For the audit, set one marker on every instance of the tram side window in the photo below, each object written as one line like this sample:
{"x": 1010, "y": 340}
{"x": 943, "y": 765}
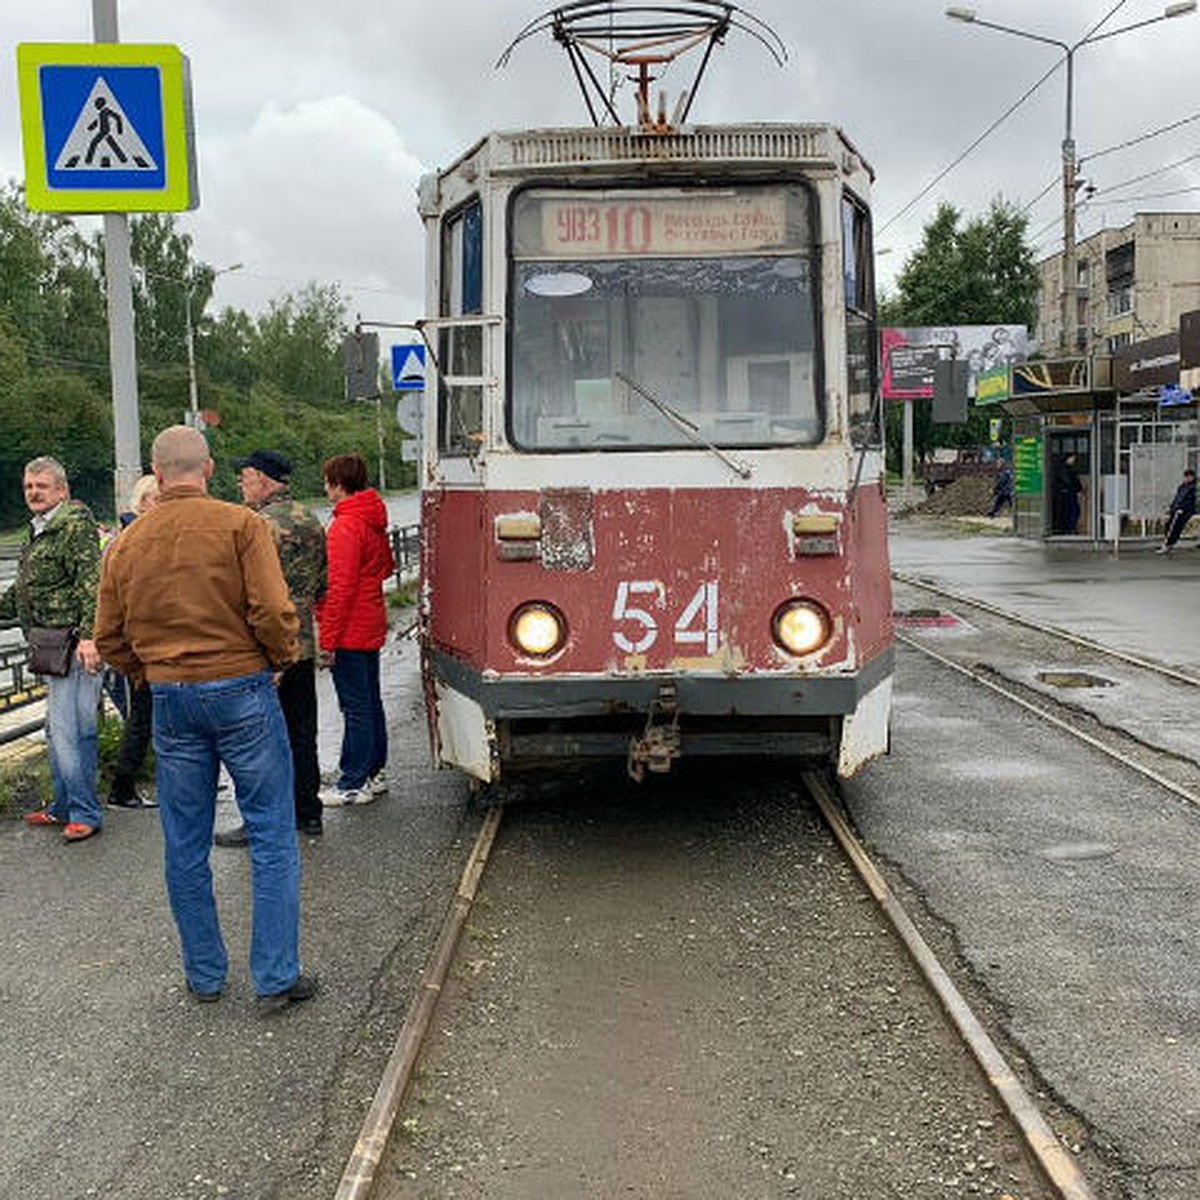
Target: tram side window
{"x": 460, "y": 349}
{"x": 859, "y": 295}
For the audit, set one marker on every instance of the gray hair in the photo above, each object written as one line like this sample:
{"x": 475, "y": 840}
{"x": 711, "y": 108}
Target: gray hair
{"x": 45, "y": 465}
{"x": 179, "y": 450}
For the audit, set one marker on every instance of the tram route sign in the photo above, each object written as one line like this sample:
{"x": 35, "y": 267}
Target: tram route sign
{"x": 106, "y": 128}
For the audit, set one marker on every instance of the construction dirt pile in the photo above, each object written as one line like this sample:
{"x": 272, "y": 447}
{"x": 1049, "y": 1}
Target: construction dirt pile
{"x": 970, "y": 496}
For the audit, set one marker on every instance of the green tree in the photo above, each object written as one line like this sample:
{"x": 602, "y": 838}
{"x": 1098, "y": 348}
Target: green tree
{"x": 298, "y": 344}
{"x": 979, "y": 273}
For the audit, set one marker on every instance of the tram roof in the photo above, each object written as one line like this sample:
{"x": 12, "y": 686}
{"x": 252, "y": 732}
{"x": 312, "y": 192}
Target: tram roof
{"x": 586, "y": 148}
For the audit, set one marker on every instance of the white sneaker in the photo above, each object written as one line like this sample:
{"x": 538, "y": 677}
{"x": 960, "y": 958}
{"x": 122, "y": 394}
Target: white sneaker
{"x": 336, "y": 797}
{"x": 377, "y": 785}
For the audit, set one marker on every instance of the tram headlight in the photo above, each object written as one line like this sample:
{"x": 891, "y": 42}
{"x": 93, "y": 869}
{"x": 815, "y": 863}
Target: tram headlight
{"x": 537, "y": 629}
{"x": 801, "y": 627}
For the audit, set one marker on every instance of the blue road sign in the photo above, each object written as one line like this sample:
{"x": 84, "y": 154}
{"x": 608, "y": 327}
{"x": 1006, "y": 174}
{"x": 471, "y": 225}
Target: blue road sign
{"x": 103, "y": 127}
{"x": 106, "y": 128}
{"x": 408, "y": 368}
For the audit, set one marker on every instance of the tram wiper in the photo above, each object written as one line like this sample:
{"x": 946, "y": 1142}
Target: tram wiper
{"x": 688, "y": 429}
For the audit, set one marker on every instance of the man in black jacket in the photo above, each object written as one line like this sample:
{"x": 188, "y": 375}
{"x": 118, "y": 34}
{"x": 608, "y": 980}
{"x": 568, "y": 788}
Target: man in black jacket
{"x": 1183, "y": 508}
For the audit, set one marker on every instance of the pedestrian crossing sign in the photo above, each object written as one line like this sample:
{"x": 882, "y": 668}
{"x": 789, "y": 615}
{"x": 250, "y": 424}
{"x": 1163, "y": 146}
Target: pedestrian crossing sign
{"x": 107, "y": 128}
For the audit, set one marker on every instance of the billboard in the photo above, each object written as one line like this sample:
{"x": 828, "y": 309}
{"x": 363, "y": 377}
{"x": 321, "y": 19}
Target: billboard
{"x": 908, "y": 355}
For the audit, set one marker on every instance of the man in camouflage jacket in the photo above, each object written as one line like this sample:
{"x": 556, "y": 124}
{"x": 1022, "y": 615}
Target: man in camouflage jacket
{"x": 56, "y": 586}
{"x": 299, "y": 537}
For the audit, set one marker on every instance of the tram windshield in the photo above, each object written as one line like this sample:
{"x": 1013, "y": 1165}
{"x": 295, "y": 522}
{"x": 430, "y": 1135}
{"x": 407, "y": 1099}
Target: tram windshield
{"x": 703, "y": 299}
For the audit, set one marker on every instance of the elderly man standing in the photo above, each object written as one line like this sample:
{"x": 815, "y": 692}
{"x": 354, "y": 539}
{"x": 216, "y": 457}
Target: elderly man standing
{"x": 56, "y": 589}
{"x": 299, "y": 537}
{"x": 192, "y": 599}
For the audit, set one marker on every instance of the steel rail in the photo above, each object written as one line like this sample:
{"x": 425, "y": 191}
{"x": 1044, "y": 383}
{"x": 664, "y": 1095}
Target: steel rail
{"x": 358, "y": 1178}
{"x": 1076, "y": 639}
{"x": 1046, "y": 715}
{"x": 1059, "y": 1167}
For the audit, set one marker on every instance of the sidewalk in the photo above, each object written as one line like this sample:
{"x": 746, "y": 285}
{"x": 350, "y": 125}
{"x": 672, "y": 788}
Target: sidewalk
{"x": 117, "y": 1085}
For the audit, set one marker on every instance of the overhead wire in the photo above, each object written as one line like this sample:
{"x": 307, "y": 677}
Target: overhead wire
{"x": 998, "y": 122}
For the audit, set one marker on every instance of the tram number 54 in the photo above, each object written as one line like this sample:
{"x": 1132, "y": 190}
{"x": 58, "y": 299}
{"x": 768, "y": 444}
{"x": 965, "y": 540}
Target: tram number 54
{"x": 697, "y": 621}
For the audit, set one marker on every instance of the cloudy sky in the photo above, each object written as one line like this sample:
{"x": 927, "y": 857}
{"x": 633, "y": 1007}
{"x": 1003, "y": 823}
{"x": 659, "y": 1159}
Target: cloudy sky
{"x": 314, "y": 120}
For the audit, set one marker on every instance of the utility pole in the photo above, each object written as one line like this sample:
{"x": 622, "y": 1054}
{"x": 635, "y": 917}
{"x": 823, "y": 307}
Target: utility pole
{"x": 1070, "y": 282}
{"x": 122, "y": 354}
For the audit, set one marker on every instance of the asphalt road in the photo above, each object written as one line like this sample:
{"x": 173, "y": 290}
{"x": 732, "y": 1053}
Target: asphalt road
{"x": 113, "y": 1083}
{"x": 1070, "y": 889}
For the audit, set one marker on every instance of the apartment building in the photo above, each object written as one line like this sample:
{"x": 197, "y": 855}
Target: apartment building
{"x": 1132, "y": 283}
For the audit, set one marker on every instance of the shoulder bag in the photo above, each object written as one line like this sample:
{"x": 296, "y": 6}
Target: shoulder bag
{"x": 51, "y": 650}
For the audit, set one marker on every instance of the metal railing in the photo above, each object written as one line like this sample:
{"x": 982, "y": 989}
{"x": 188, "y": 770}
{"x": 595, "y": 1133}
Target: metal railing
{"x": 406, "y": 549}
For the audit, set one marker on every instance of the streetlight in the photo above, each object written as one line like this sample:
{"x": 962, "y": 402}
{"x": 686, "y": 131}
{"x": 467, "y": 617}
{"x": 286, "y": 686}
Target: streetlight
{"x": 193, "y": 392}
{"x": 967, "y": 15}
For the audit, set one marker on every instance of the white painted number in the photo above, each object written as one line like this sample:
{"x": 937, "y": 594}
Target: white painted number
{"x": 696, "y": 624}
{"x": 706, "y": 599}
{"x": 623, "y": 612}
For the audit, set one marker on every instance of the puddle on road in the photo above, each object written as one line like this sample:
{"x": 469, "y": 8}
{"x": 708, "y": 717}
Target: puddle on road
{"x": 930, "y": 618}
{"x": 1074, "y": 679}
{"x": 1001, "y": 769}
{"x": 1078, "y": 851}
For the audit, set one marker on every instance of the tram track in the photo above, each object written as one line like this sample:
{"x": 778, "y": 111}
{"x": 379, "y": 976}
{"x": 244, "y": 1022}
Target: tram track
{"x": 1005, "y": 661}
{"x": 1055, "y": 1163}
{"x": 1054, "y": 631}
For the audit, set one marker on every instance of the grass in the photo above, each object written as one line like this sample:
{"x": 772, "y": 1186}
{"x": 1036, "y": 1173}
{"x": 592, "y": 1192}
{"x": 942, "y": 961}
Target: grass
{"x": 404, "y": 596}
{"x": 25, "y": 777}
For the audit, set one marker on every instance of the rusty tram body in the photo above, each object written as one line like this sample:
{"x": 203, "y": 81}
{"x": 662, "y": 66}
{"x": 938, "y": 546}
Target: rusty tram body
{"x": 653, "y": 521}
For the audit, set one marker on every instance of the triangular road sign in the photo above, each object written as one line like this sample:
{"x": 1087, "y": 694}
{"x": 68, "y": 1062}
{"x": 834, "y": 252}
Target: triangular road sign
{"x": 103, "y": 138}
{"x": 408, "y": 367}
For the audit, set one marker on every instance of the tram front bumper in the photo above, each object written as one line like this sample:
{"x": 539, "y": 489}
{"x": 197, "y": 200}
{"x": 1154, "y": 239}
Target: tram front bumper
{"x": 488, "y": 723}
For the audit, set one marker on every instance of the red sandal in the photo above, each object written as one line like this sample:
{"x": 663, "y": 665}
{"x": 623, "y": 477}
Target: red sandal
{"x": 43, "y": 816}
{"x": 76, "y": 831}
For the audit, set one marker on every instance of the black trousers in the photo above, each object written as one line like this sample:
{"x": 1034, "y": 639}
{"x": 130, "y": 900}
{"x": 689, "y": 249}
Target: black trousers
{"x": 298, "y": 699}
{"x": 135, "y": 740}
{"x": 1175, "y": 525}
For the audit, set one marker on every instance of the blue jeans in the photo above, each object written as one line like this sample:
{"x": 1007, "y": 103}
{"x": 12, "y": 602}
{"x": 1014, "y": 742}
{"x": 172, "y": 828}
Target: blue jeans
{"x": 71, "y": 705}
{"x": 196, "y": 727}
{"x": 364, "y": 727}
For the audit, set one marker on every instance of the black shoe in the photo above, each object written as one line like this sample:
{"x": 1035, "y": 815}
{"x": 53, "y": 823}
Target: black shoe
{"x": 311, "y": 828}
{"x": 134, "y": 801}
{"x": 204, "y": 997}
{"x": 305, "y": 988}
{"x": 232, "y": 837}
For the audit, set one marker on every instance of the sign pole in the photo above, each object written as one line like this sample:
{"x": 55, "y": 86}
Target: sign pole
{"x": 907, "y": 451}
{"x": 118, "y": 260}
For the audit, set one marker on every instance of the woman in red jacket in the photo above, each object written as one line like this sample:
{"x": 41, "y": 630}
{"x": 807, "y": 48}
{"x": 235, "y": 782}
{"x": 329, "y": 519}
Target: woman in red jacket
{"x": 352, "y": 622}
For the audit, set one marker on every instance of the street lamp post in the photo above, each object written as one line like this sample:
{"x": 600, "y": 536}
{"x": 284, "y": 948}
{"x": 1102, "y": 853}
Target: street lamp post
{"x": 1069, "y": 184}
{"x": 193, "y": 390}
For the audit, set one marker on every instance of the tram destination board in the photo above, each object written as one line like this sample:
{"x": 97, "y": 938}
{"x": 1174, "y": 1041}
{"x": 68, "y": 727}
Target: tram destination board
{"x": 658, "y": 225}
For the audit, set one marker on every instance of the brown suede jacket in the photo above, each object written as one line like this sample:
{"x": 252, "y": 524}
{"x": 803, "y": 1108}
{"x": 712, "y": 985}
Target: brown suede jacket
{"x": 192, "y": 591}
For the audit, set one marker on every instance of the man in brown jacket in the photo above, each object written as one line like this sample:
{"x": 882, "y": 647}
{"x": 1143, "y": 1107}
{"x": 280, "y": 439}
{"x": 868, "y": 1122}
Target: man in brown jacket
{"x": 193, "y": 601}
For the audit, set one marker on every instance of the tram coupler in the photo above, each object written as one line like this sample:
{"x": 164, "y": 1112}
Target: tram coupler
{"x": 659, "y": 744}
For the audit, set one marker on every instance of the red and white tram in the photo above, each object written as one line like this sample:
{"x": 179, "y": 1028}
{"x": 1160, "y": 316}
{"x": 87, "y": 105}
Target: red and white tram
{"x": 653, "y": 521}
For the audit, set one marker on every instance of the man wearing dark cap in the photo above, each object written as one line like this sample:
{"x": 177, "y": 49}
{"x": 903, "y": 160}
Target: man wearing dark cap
{"x": 264, "y": 477}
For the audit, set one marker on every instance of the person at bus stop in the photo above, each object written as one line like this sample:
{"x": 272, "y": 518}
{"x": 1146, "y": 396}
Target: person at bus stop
{"x": 193, "y": 600}
{"x": 55, "y": 594}
{"x": 1002, "y": 489}
{"x": 352, "y": 627}
{"x": 1067, "y": 487}
{"x": 1180, "y": 512}
{"x": 139, "y": 720}
{"x": 264, "y": 477}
